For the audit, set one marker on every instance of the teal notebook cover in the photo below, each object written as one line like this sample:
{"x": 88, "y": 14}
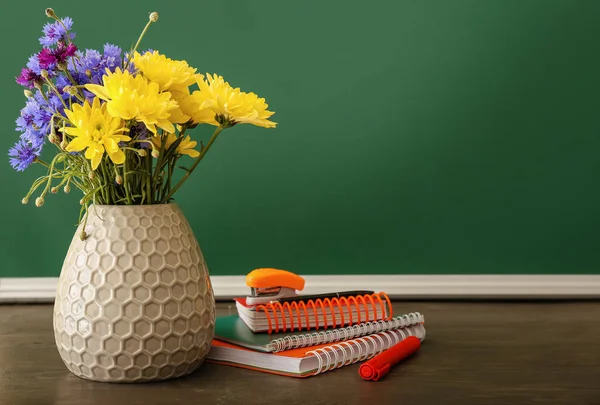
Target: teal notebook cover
{"x": 233, "y": 330}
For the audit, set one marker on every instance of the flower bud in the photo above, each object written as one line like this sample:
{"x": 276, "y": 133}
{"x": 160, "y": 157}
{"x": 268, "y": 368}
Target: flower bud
{"x": 67, "y": 88}
{"x": 88, "y": 73}
{"x": 50, "y": 13}
{"x": 53, "y": 138}
{"x": 155, "y": 153}
{"x": 67, "y": 189}
{"x": 142, "y": 152}
{"x": 84, "y": 235}
{"x": 92, "y": 175}
{"x": 44, "y": 73}
{"x": 25, "y": 200}
{"x": 39, "y": 201}
{"x": 119, "y": 179}
{"x": 154, "y": 16}
{"x": 72, "y": 91}
{"x": 54, "y": 190}
{"x": 28, "y": 93}
{"x": 64, "y": 143}
{"x": 62, "y": 66}
{"x": 81, "y": 201}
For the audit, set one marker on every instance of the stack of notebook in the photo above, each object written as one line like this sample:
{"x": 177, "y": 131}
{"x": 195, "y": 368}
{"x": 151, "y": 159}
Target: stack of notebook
{"x": 306, "y": 338}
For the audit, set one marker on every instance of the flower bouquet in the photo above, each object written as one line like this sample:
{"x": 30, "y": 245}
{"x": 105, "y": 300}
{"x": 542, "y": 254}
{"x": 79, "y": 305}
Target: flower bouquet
{"x": 134, "y": 300}
{"x": 119, "y": 121}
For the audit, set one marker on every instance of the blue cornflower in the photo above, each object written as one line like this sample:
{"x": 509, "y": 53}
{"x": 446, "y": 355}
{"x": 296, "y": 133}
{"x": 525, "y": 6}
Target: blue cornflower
{"x": 34, "y": 64}
{"x": 22, "y": 155}
{"x": 42, "y": 120}
{"x": 42, "y": 116}
{"x": 54, "y": 32}
{"x": 91, "y": 60}
{"x": 111, "y": 58}
{"x": 61, "y": 81}
{"x": 25, "y": 120}
{"x": 140, "y": 132}
{"x": 26, "y": 123}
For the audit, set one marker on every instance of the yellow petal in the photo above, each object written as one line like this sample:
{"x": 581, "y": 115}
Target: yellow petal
{"x": 190, "y": 152}
{"x": 99, "y": 91}
{"x": 165, "y": 125}
{"x": 151, "y": 127}
{"x": 177, "y": 116}
{"x": 96, "y": 161}
{"x": 117, "y": 157}
{"x": 78, "y": 144}
{"x": 72, "y": 131}
{"x": 90, "y": 153}
{"x": 124, "y": 113}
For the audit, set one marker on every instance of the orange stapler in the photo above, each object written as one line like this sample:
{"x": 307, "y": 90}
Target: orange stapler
{"x": 267, "y": 284}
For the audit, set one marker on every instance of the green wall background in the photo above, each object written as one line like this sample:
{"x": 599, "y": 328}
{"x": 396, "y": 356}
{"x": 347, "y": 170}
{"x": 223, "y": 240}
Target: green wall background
{"x": 414, "y": 137}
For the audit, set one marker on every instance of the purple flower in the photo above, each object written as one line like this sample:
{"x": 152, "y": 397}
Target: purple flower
{"x": 22, "y": 155}
{"x": 65, "y": 52}
{"x": 46, "y": 59}
{"x": 29, "y": 78}
{"x": 54, "y": 32}
{"x": 50, "y": 58}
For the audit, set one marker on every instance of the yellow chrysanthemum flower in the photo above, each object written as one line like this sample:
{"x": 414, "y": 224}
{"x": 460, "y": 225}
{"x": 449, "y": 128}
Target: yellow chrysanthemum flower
{"x": 216, "y": 99}
{"x": 169, "y": 74}
{"x": 133, "y": 97}
{"x": 185, "y": 147}
{"x": 190, "y": 107}
{"x": 96, "y": 131}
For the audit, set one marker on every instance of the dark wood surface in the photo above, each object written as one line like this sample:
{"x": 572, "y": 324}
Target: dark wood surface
{"x": 475, "y": 353}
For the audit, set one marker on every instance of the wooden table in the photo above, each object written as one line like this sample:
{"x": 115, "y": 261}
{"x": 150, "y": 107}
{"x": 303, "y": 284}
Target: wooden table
{"x": 475, "y": 353}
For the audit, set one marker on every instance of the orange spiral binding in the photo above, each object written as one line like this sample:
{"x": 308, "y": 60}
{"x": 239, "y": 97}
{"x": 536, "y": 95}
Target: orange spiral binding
{"x": 298, "y": 313}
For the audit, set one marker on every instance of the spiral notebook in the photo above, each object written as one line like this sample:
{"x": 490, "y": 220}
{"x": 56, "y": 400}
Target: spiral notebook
{"x": 318, "y": 314}
{"x": 310, "y": 361}
{"x": 232, "y": 329}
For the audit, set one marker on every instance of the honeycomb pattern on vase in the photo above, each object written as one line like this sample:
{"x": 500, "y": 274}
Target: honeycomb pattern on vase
{"x": 134, "y": 301}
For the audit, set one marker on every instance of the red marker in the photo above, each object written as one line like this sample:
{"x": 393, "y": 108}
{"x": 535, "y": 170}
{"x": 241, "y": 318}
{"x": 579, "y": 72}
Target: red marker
{"x": 381, "y": 364}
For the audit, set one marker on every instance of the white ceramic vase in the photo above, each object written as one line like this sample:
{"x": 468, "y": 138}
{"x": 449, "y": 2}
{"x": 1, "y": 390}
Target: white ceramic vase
{"x": 134, "y": 301}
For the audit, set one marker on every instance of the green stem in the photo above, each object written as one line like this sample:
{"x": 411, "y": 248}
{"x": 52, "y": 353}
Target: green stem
{"x": 51, "y": 85}
{"x": 44, "y": 96}
{"x": 137, "y": 44}
{"x": 79, "y": 96}
{"x": 161, "y": 157}
{"x": 125, "y": 182}
{"x": 68, "y": 34}
{"x": 191, "y": 169}
{"x": 149, "y": 178}
{"x": 50, "y": 175}
{"x": 40, "y": 161}
{"x": 170, "y": 168}
{"x": 106, "y": 178}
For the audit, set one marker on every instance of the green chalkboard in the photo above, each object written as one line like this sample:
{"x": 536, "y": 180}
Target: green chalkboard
{"x": 414, "y": 137}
